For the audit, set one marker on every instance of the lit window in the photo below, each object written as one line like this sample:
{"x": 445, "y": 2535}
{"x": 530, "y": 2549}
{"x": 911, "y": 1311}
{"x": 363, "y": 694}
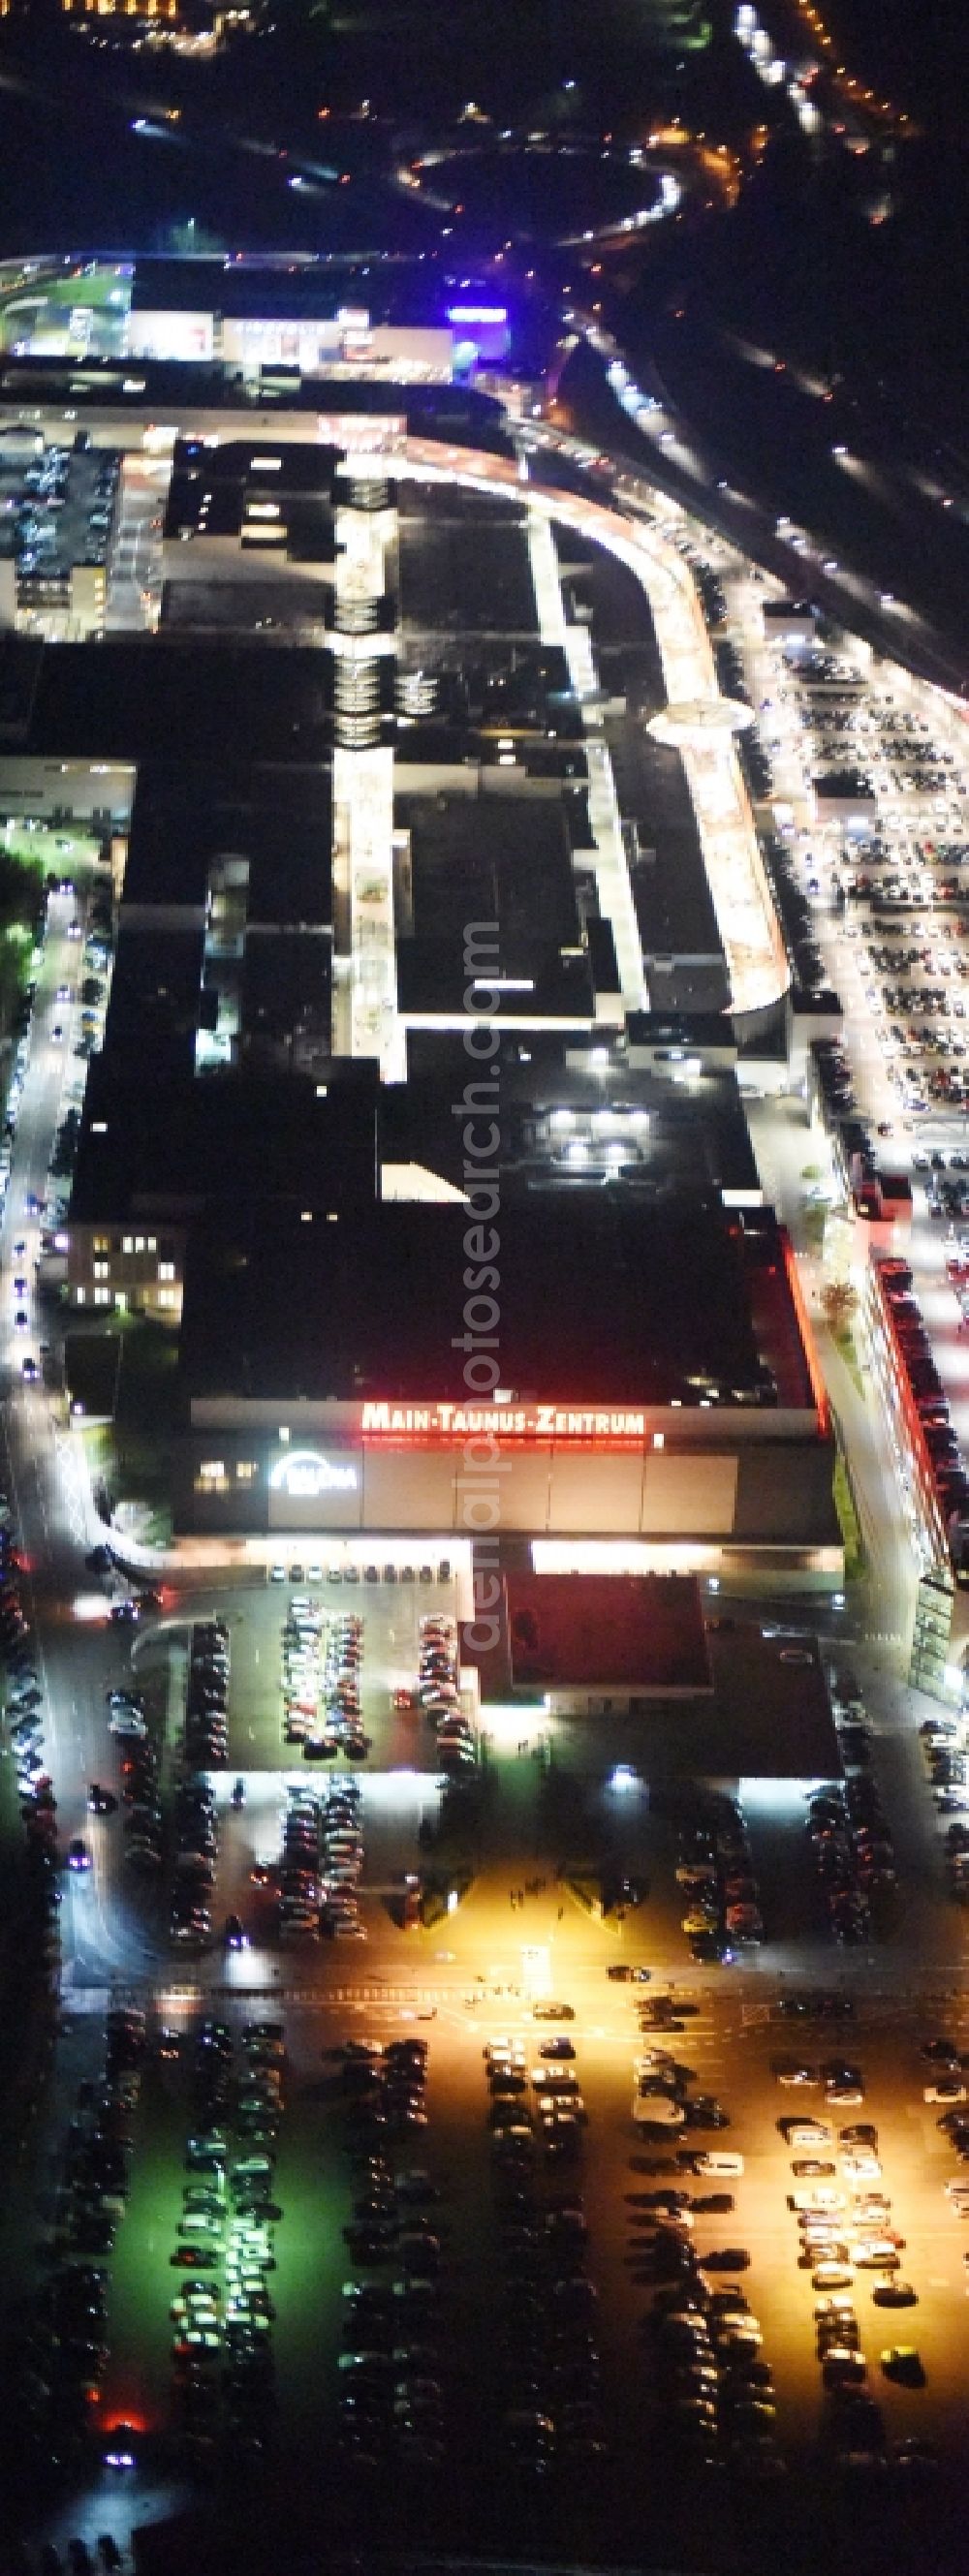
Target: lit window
{"x": 82, "y": 1296}
{"x": 139, "y": 1243}
{"x": 168, "y": 1297}
{"x": 102, "y": 1243}
{"x": 102, "y": 1296}
{"x": 102, "y": 1269}
{"x": 166, "y": 1270}
{"x": 151, "y": 1243}
{"x": 128, "y": 1243}
{"x": 246, "y": 1469}
{"x": 211, "y": 1478}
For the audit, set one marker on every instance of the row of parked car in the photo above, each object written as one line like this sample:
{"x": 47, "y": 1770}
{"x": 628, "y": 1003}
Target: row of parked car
{"x": 25, "y": 1722}
{"x": 438, "y": 1692}
{"x": 195, "y": 1828}
{"x": 712, "y": 2387}
{"x": 552, "y": 2366}
{"x": 392, "y": 2393}
{"x": 222, "y": 2311}
{"x": 301, "y": 1668}
{"x": 342, "y": 1674}
{"x": 321, "y": 1660}
{"x": 556, "y": 2114}
{"x": 207, "y": 1696}
{"x": 316, "y": 1880}
{"x": 62, "y": 2380}
{"x": 906, "y": 1327}
{"x": 845, "y": 2225}
{"x": 716, "y": 1877}
{"x": 18, "y": 1076}
{"x": 947, "y": 1763}
{"x": 849, "y": 1851}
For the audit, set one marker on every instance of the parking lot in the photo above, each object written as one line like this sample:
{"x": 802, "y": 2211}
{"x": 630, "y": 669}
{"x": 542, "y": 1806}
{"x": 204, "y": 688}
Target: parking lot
{"x": 882, "y": 908}
{"x": 61, "y": 506}
{"x": 482, "y": 2249}
{"x": 478, "y": 2378}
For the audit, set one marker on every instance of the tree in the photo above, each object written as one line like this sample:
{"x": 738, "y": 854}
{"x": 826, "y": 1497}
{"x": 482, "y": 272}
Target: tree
{"x": 839, "y": 1304}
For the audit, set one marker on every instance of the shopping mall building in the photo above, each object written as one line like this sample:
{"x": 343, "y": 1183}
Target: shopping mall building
{"x": 666, "y": 1416}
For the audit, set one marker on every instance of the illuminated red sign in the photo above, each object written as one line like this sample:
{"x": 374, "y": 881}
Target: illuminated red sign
{"x": 390, "y": 1421}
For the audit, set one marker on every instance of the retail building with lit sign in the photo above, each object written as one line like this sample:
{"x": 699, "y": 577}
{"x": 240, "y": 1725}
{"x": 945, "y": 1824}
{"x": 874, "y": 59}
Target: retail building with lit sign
{"x": 668, "y": 1415}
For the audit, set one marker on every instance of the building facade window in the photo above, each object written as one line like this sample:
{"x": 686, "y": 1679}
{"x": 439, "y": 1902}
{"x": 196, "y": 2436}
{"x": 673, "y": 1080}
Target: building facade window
{"x": 102, "y": 1269}
{"x": 246, "y": 1470}
{"x": 128, "y": 1243}
{"x": 102, "y": 1296}
{"x": 166, "y": 1270}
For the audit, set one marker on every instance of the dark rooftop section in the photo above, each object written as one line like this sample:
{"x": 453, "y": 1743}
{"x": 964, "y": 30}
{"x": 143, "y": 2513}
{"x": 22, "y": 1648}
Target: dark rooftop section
{"x": 306, "y": 1310}
{"x": 275, "y": 819}
{"x": 227, "y": 891}
{"x": 153, "y": 1012}
{"x": 770, "y": 1717}
{"x": 274, "y": 610}
{"x": 493, "y": 858}
{"x": 168, "y": 387}
{"x": 773, "y": 1713}
{"x": 642, "y": 1633}
{"x": 674, "y": 910}
{"x": 158, "y": 1144}
{"x": 229, "y": 490}
{"x": 464, "y": 569}
{"x": 21, "y": 662}
{"x": 431, "y": 979}
{"x": 286, "y": 997}
{"x": 91, "y": 1363}
{"x": 567, "y": 1127}
{"x": 498, "y": 687}
{"x": 501, "y": 859}
{"x": 290, "y": 845}
{"x": 259, "y": 465}
{"x": 136, "y": 695}
{"x": 246, "y": 290}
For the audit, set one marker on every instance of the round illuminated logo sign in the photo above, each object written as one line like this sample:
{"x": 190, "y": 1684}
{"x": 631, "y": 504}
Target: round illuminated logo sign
{"x": 306, "y": 1474}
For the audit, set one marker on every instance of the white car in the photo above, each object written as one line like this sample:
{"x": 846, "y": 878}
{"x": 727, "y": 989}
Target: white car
{"x": 657, "y": 2111}
{"x": 861, "y": 2168}
{"x": 947, "y": 2091}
